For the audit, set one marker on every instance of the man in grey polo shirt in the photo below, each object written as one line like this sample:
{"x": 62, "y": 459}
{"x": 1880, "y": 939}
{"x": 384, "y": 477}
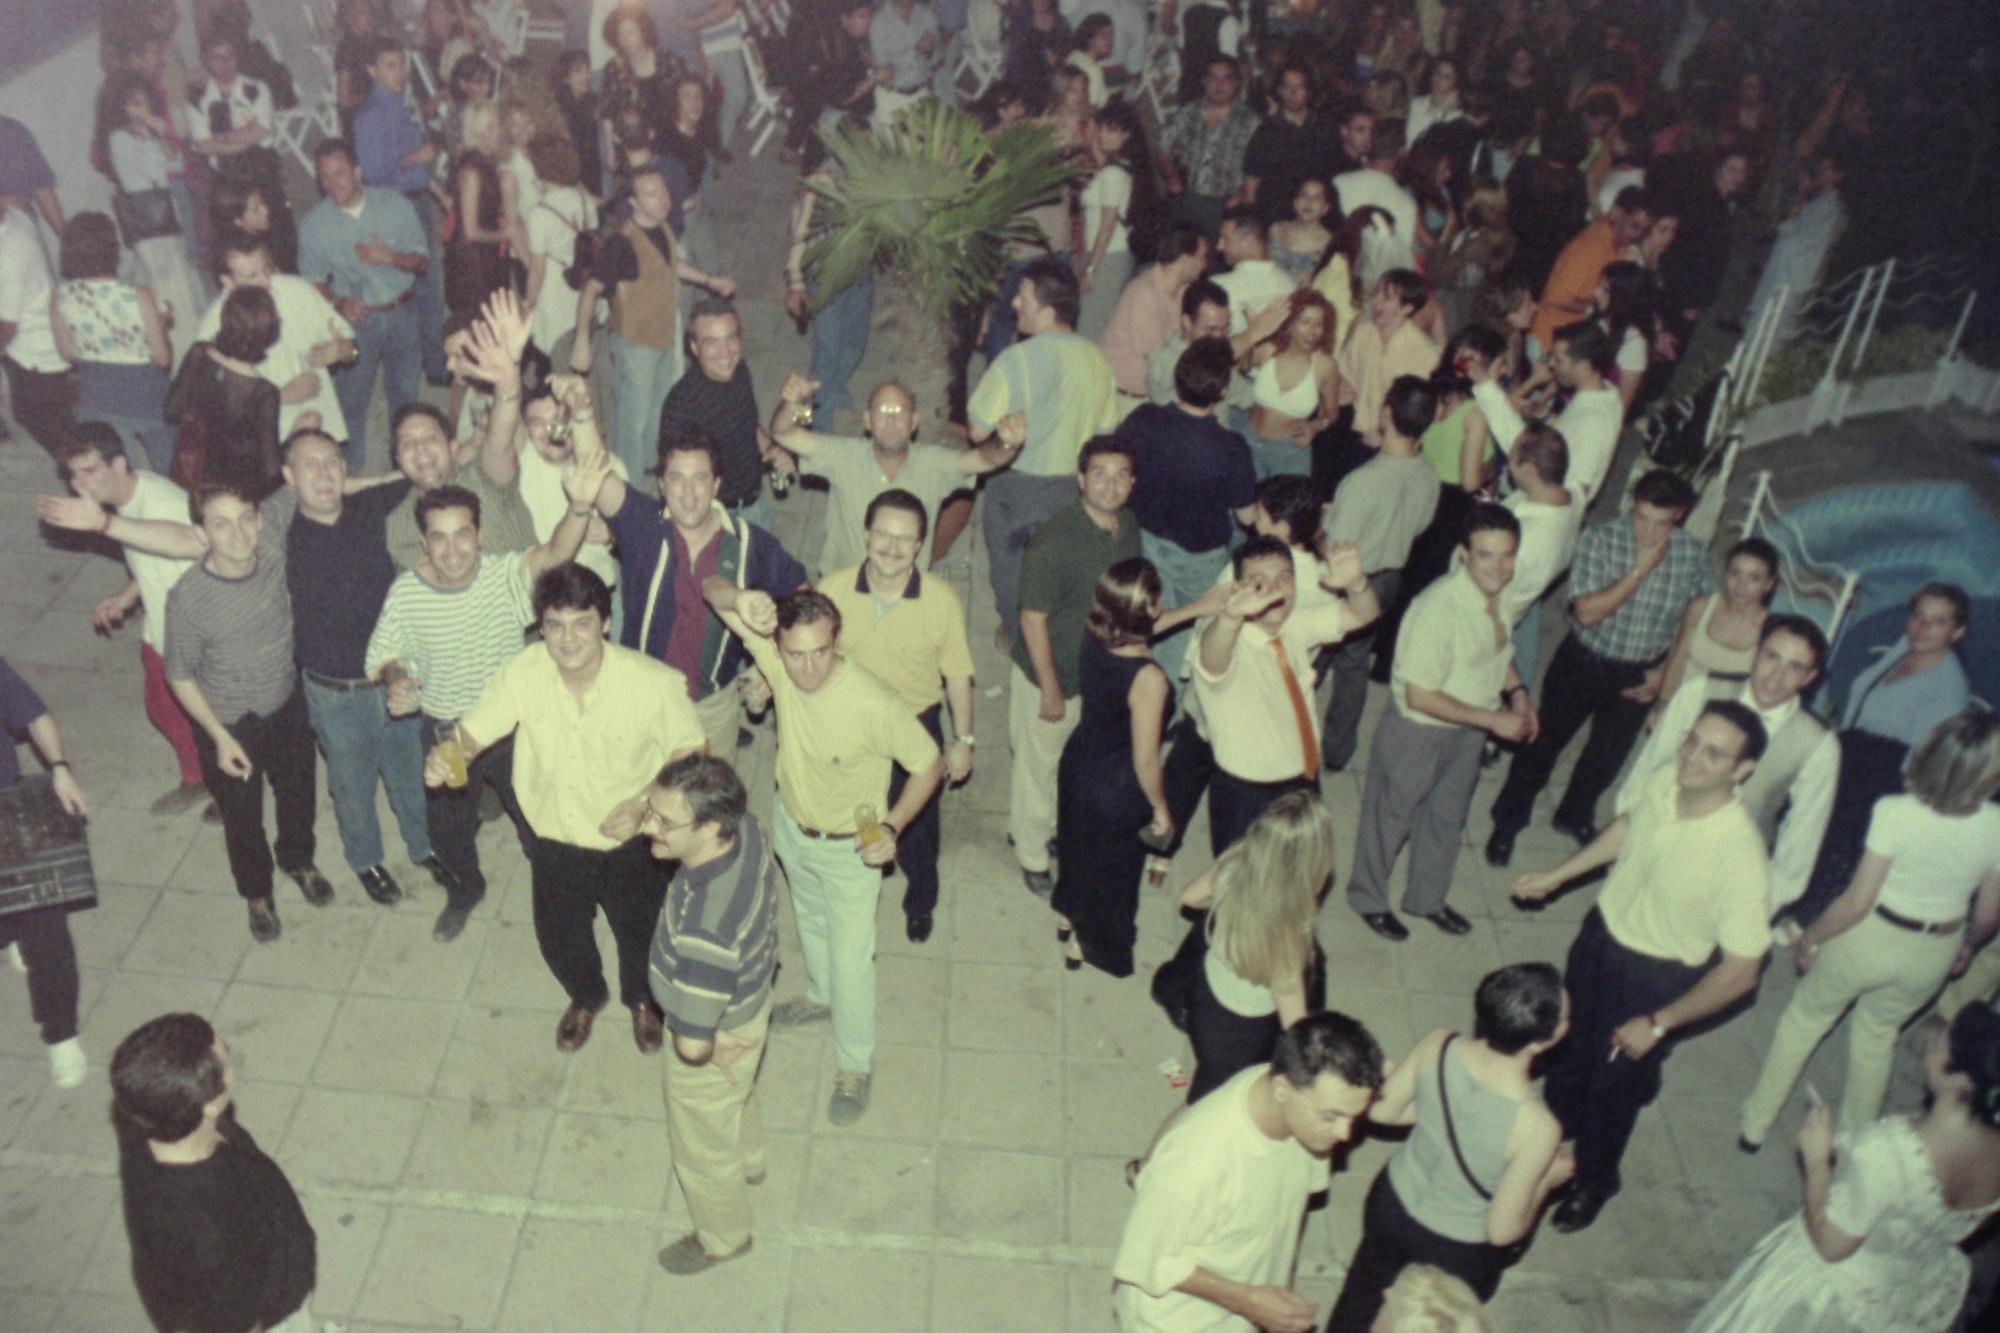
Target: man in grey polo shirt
{"x": 858, "y": 470}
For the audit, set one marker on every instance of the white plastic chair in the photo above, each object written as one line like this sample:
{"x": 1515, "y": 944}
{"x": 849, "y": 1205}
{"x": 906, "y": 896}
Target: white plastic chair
{"x": 1161, "y": 80}
{"x": 981, "y": 55}
{"x": 766, "y": 107}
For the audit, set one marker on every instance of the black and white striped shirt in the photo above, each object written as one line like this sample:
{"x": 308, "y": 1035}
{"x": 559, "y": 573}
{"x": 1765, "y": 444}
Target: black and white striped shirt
{"x": 455, "y": 639}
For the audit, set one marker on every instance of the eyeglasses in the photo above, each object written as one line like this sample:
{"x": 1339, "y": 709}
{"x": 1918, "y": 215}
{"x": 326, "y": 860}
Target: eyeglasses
{"x": 656, "y": 825}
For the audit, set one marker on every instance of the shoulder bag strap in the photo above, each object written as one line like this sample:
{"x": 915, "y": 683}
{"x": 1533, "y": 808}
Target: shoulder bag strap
{"x": 1451, "y": 1130}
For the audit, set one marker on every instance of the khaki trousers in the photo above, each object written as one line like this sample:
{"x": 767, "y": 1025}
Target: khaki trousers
{"x": 1037, "y": 747}
{"x": 721, "y": 716}
{"x": 716, "y": 1138}
{"x": 1887, "y": 974}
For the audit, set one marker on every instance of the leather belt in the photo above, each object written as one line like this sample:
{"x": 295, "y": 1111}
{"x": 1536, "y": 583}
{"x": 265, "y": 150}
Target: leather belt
{"x": 1901, "y": 922}
{"x": 338, "y": 684}
{"x": 823, "y": 836}
{"x": 409, "y": 294}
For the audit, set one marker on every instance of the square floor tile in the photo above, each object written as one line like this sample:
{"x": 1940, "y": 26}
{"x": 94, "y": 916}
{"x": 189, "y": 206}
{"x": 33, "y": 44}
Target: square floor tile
{"x": 995, "y": 1196}
{"x": 202, "y": 935}
{"x": 902, "y": 1097}
{"x": 511, "y": 974}
{"x": 870, "y": 1186}
{"x": 507, "y": 1057}
{"x": 1005, "y": 1007}
{"x": 318, "y": 951}
{"x": 609, "y": 1161}
{"x": 874, "y": 1289}
{"x": 909, "y": 1000}
{"x": 478, "y": 1148}
{"x": 274, "y": 1033}
{"x": 1001, "y": 1099}
{"x": 348, "y": 1232}
{"x": 404, "y": 961}
{"x": 578, "y": 1275}
{"x": 997, "y": 1296}
{"x": 384, "y": 1045}
{"x": 1115, "y": 1107}
{"x": 745, "y": 1295}
{"x": 1099, "y": 1198}
{"x": 440, "y": 1268}
{"x": 351, "y": 1138}
{"x": 51, "y": 1224}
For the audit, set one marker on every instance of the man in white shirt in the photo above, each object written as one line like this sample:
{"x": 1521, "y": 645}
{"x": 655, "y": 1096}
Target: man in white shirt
{"x": 1375, "y": 185}
{"x": 1801, "y": 762}
{"x": 232, "y": 116}
{"x": 1253, "y": 679}
{"x": 1550, "y": 518}
{"x": 99, "y": 470}
{"x": 40, "y": 386}
{"x": 1253, "y": 282}
{"x": 1216, "y": 1210}
{"x": 312, "y": 338}
{"x": 1581, "y": 360}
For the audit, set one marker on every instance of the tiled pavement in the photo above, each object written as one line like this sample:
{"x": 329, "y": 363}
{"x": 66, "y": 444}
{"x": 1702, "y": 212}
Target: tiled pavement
{"x": 461, "y": 1173}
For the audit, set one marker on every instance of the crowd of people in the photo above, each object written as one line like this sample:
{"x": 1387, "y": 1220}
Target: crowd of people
{"x": 1313, "y": 377}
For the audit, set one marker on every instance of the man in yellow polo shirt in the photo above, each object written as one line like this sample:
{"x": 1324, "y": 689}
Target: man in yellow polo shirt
{"x": 909, "y": 630}
{"x": 1690, "y": 886}
{"x": 840, "y": 730}
{"x": 592, "y": 724}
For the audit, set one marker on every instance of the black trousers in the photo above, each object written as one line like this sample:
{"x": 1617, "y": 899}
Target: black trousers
{"x": 570, "y": 884}
{"x": 1225, "y": 1042}
{"x": 1186, "y": 773}
{"x": 1871, "y": 767}
{"x": 1596, "y": 1097}
{"x": 1390, "y": 1239}
{"x": 917, "y": 845}
{"x": 454, "y": 815}
{"x": 50, "y": 956}
{"x": 44, "y": 403}
{"x": 1234, "y": 804}
{"x": 1580, "y": 688}
{"x": 280, "y": 746}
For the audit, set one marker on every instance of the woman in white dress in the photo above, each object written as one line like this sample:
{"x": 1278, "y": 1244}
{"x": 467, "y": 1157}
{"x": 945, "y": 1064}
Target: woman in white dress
{"x": 1875, "y": 1248}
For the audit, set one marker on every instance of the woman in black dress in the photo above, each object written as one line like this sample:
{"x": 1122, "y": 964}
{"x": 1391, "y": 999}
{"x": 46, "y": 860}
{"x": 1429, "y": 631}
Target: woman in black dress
{"x": 1109, "y": 786}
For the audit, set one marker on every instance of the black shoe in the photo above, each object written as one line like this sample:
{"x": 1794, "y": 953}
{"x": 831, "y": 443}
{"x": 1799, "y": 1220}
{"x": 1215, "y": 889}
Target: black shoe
{"x": 264, "y": 926}
{"x": 1584, "y": 833}
{"x": 1449, "y": 921}
{"x": 1581, "y": 1207}
{"x": 1500, "y": 847}
{"x": 441, "y": 874}
{"x": 1040, "y": 882}
{"x": 1745, "y": 1146}
{"x": 375, "y": 882}
{"x": 918, "y": 927}
{"x": 1386, "y": 925}
{"x": 450, "y": 924}
{"x": 1331, "y": 767}
{"x": 313, "y": 885}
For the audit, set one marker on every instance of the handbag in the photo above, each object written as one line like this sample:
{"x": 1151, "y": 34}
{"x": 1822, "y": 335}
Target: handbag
{"x": 145, "y": 215}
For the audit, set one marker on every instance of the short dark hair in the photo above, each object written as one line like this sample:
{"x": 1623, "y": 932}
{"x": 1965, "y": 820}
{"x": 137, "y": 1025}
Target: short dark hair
{"x": 713, "y": 791}
{"x": 1086, "y": 31}
{"x": 1178, "y": 240}
{"x": 1409, "y": 287}
{"x": 1589, "y": 342}
{"x": 447, "y": 496}
{"x": 1259, "y": 547}
{"x": 1412, "y": 405}
{"x": 711, "y": 307}
{"x": 1097, "y": 446}
{"x": 249, "y": 326}
{"x": 239, "y": 241}
{"x": 1517, "y": 1006}
{"x": 208, "y": 492}
{"x": 1950, "y": 594}
{"x": 1739, "y": 716}
{"x": 1055, "y": 286}
{"x": 1328, "y": 1043}
{"x": 572, "y": 587}
{"x": 163, "y": 1074}
{"x": 1202, "y": 375}
{"x": 898, "y": 498}
{"x": 554, "y": 158}
{"x": 1293, "y": 501}
{"x": 1201, "y": 292}
{"x": 1249, "y": 220}
{"x": 1544, "y": 446}
{"x": 91, "y": 437}
{"x": 408, "y": 410}
{"x": 1664, "y": 490}
{"x": 807, "y": 606}
{"x": 379, "y": 45}
{"x": 1486, "y": 516}
{"x": 335, "y": 147}
{"x": 1785, "y": 622}
{"x": 685, "y": 437}
{"x": 89, "y": 248}
{"x": 1636, "y": 199}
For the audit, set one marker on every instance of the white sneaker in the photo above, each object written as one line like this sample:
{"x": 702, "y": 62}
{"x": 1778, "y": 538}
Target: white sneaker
{"x": 67, "y": 1064}
{"x": 14, "y": 957}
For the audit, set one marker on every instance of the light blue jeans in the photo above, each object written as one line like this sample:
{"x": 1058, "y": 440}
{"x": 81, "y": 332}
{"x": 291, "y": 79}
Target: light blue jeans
{"x": 389, "y": 340}
{"x": 644, "y": 375}
{"x": 834, "y": 893}
{"x": 147, "y": 443}
{"x": 1271, "y": 456}
{"x": 362, "y": 742}
{"x": 1184, "y": 576}
{"x": 839, "y": 340}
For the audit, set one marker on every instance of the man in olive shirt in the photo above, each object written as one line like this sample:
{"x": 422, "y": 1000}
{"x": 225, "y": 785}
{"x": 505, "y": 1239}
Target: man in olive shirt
{"x": 840, "y": 729}
{"x": 426, "y": 455}
{"x": 909, "y": 629}
{"x": 592, "y": 724}
{"x": 1059, "y": 572}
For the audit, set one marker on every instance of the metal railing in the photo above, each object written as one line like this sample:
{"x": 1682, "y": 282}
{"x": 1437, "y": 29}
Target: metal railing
{"x": 1803, "y": 576}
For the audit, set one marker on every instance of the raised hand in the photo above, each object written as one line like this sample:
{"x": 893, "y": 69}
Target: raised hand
{"x": 757, "y": 611}
{"x": 572, "y": 391}
{"x": 585, "y": 477}
{"x": 502, "y": 313}
{"x": 1343, "y": 564}
{"x": 1250, "y": 598}
{"x": 72, "y": 513}
{"x": 490, "y": 356}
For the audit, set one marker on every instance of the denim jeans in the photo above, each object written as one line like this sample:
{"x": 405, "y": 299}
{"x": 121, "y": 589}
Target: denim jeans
{"x": 839, "y": 340}
{"x": 834, "y": 893}
{"x": 361, "y": 743}
{"x": 1184, "y": 576}
{"x": 387, "y": 340}
{"x": 430, "y": 291}
{"x": 643, "y": 377}
{"x": 1272, "y": 457}
{"x": 151, "y": 443}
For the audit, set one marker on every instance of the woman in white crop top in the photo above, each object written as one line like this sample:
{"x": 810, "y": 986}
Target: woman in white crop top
{"x": 1294, "y": 387}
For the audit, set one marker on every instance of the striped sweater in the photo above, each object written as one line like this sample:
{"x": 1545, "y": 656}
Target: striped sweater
{"x": 717, "y": 942}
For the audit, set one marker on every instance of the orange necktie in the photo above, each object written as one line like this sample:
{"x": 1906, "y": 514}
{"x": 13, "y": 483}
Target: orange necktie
{"x": 1308, "y": 734}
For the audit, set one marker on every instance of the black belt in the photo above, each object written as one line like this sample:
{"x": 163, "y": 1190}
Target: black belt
{"x": 1617, "y": 663}
{"x": 338, "y": 684}
{"x": 821, "y": 835}
{"x": 1901, "y": 922}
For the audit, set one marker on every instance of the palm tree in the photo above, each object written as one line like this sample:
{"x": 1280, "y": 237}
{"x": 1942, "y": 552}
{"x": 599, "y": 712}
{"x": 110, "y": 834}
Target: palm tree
{"x": 932, "y": 201}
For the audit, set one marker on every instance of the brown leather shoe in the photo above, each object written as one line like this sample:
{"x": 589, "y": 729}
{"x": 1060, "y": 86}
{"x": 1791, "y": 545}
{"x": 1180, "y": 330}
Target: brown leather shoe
{"x": 646, "y": 1033}
{"x": 574, "y": 1029}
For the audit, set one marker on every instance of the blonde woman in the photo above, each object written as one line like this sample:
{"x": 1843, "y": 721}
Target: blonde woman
{"x": 1426, "y": 1299}
{"x": 1932, "y": 866}
{"x": 1261, "y": 897}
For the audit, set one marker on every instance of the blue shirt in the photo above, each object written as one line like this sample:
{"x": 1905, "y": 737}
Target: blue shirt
{"x": 1905, "y": 710}
{"x": 327, "y": 237}
{"x": 385, "y": 132}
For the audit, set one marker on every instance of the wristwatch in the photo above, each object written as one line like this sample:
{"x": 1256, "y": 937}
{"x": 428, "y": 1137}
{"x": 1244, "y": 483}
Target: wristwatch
{"x": 1659, "y": 1033}
{"x": 965, "y": 740}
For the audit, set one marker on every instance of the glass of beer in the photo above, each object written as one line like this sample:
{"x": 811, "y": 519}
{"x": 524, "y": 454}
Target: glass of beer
{"x": 451, "y": 749}
{"x": 868, "y": 828}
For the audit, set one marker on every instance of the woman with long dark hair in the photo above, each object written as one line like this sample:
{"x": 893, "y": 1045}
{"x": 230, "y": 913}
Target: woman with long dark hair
{"x": 1115, "y": 148}
{"x": 1294, "y": 388}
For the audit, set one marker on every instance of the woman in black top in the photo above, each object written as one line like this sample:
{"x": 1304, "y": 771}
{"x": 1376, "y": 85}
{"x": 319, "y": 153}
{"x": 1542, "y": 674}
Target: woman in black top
{"x": 580, "y": 115}
{"x": 639, "y": 74}
{"x": 226, "y": 410}
{"x": 220, "y": 1243}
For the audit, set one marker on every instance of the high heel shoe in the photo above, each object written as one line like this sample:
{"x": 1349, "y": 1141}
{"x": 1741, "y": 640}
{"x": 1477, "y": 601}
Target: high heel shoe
{"x": 1062, "y": 934}
{"x": 1072, "y": 964}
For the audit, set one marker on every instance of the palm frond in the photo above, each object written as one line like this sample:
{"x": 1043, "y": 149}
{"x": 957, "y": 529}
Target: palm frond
{"x": 932, "y": 198}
